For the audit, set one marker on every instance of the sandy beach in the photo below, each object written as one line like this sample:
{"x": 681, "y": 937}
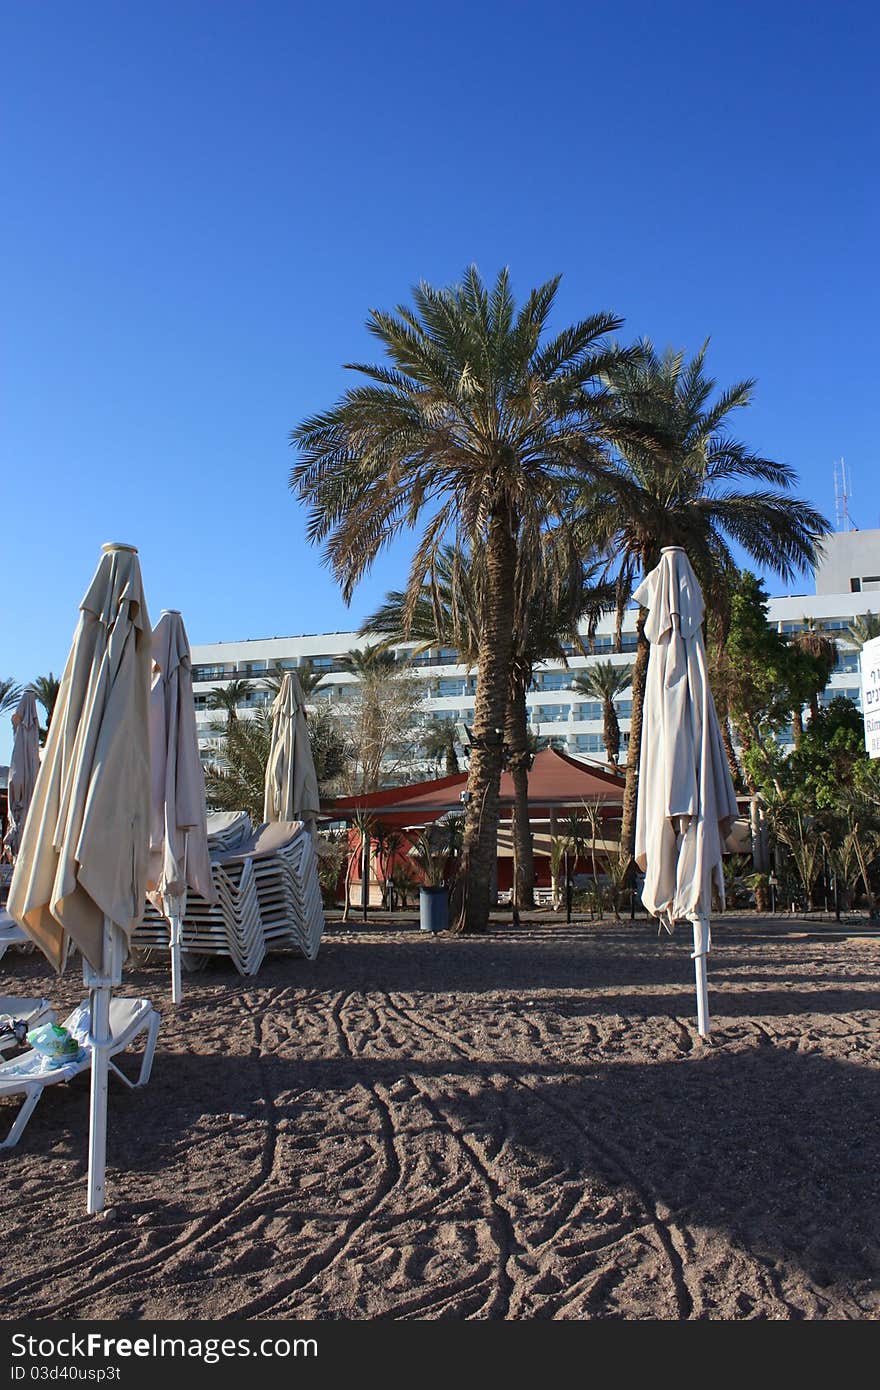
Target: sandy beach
{"x": 520, "y": 1125}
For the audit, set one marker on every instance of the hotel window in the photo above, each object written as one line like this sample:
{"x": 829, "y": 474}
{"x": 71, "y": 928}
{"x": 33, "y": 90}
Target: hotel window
{"x": 590, "y": 743}
{"x": 555, "y": 680}
{"x": 590, "y": 710}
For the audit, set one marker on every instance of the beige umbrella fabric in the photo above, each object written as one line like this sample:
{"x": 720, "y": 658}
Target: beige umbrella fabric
{"x": 178, "y": 814}
{"x": 83, "y": 853}
{"x": 291, "y": 788}
{"x": 686, "y": 801}
{"x": 23, "y": 766}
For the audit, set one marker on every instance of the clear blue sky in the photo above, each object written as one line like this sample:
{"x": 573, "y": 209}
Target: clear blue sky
{"x": 202, "y": 200}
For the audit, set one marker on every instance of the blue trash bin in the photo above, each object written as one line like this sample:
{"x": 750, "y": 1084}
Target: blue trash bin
{"x": 433, "y": 909}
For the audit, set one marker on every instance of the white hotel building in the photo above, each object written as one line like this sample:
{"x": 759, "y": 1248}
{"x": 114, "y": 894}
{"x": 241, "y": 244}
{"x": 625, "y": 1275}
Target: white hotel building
{"x": 847, "y": 586}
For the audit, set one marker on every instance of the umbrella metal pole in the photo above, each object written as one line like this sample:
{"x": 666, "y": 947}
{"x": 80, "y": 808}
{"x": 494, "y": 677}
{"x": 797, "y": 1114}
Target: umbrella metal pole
{"x": 100, "y": 985}
{"x": 173, "y": 913}
{"x": 702, "y": 939}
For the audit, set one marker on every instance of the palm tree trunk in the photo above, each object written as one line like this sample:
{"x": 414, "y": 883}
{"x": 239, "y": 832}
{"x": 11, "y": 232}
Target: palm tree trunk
{"x": 519, "y": 762}
{"x": 611, "y": 732}
{"x": 727, "y": 740}
{"x": 797, "y": 725}
{"x": 631, "y": 789}
{"x": 480, "y": 841}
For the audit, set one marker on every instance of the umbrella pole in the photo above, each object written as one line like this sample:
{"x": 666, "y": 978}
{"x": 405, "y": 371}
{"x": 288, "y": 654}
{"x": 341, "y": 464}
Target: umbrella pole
{"x": 702, "y": 939}
{"x": 174, "y": 914}
{"x": 100, "y": 986}
{"x": 174, "y": 930}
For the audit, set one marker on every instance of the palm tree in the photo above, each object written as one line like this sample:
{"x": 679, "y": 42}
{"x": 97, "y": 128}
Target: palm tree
{"x": 309, "y": 679}
{"x": 369, "y": 662}
{"x": 46, "y": 689}
{"x": 470, "y": 430}
{"x": 240, "y": 784}
{"x": 820, "y": 653}
{"x": 448, "y": 612}
{"x": 603, "y": 682}
{"x": 438, "y": 741}
{"x": 10, "y": 693}
{"x": 687, "y": 482}
{"x": 864, "y": 629}
{"x": 228, "y": 697}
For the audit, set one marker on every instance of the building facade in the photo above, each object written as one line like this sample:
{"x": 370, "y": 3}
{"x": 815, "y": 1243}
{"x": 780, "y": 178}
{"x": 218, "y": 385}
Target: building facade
{"x": 557, "y": 712}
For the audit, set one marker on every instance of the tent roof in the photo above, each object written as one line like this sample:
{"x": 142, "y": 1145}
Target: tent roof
{"x": 556, "y": 780}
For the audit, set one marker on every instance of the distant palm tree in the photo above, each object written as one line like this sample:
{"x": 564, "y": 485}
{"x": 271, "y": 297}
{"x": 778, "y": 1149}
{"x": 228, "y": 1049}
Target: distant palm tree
{"x": 470, "y": 429}
{"x": 438, "y": 741}
{"x": 46, "y": 689}
{"x": 820, "y": 651}
{"x": 688, "y": 483}
{"x": 864, "y": 629}
{"x": 603, "y": 682}
{"x": 228, "y": 698}
{"x": 369, "y": 662}
{"x": 240, "y": 784}
{"x": 10, "y": 693}
{"x": 309, "y": 679}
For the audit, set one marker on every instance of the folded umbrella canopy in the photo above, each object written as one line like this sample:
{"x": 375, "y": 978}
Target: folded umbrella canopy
{"x": 686, "y": 800}
{"x": 23, "y": 767}
{"x": 178, "y": 815}
{"x": 291, "y": 788}
{"x": 81, "y": 870}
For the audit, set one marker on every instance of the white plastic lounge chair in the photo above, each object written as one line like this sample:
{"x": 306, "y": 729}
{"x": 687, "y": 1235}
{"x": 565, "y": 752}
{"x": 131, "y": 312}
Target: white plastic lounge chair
{"x": 30, "y": 1074}
{"x": 11, "y": 933}
{"x": 268, "y": 898}
{"x": 31, "y": 1012}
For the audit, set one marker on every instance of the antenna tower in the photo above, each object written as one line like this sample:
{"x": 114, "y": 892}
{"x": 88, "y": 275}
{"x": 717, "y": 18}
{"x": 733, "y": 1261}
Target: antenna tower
{"x": 842, "y": 494}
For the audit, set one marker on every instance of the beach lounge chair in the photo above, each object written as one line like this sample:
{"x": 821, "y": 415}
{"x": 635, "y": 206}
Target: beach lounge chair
{"x": 268, "y": 897}
{"x": 31, "y": 1012}
{"x": 29, "y": 1074}
{"x": 11, "y": 934}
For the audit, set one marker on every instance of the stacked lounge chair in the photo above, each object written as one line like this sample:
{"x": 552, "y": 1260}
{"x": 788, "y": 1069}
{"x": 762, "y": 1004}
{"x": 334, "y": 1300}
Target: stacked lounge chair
{"x": 268, "y": 899}
{"x": 228, "y": 830}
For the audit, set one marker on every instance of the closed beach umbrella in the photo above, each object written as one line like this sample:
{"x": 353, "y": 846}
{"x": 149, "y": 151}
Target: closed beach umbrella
{"x": 82, "y": 863}
{"x": 291, "y": 791}
{"x": 178, "y": 817}
{"x": 686, "y": 801}
{"x": 23, "y": 767}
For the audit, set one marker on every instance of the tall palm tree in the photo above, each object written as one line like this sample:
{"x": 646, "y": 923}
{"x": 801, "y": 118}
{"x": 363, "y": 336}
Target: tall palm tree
{"x": 603, "y": 682}
{"x": 864, "y": 629}
{"x": 10, "y": 693}
{"x": 46, "y": 689}
{"x": 448, "y": 612}
{"x": 468, "y": 430}
{"x": 228, "y": 698}
{"x": 687, "y": 482}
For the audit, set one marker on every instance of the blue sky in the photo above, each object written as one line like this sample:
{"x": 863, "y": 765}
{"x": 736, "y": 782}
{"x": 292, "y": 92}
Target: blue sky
{"x": 202, "y": 201}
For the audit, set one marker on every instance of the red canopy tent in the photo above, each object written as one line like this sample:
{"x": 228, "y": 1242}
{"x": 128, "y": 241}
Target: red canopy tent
{"x": 556, "y": 782}
{"x": 558, "y": 785}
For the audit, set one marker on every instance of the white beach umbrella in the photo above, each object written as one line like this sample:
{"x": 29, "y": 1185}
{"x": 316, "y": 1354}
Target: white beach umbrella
{"x": 291, "y": 788}
{"x": 686, "y": 801}
{"x": 178, "y": 816}
{"x": 23, "y": 766}
{"x": 81, "y": 870}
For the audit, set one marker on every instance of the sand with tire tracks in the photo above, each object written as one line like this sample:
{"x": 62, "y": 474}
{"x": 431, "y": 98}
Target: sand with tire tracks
{"x": 521, "y": 1125}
